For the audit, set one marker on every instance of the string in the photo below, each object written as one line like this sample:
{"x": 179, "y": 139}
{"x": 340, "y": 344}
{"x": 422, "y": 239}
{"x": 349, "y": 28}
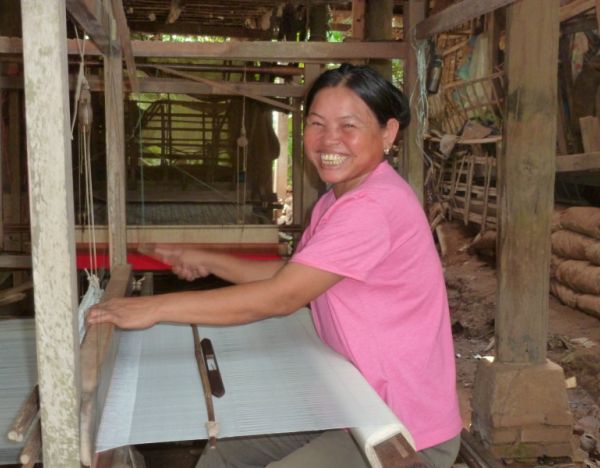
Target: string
{"x": 418, "y": 96}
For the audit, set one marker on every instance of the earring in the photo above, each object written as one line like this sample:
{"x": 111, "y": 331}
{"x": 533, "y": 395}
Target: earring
{"x": 386, "y": 151}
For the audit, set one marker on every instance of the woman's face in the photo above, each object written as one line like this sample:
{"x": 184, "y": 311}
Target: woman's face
{"x": 343, "y": 138}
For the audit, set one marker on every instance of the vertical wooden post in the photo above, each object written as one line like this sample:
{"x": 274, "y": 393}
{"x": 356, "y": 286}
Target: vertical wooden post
{"x": 12, "y": 198}
{"x": 115, "y": 154}
{"x": 297, "y": 165}
{"x": 413, "y": 169}
{"x": 282, "y": 161}
{"x": 526, "y": 181}
{"x": 520, "y": 405}
{"x": 358, "y": 19}
{"x": 52, "y": 228}
{"x": 379, "y": 27}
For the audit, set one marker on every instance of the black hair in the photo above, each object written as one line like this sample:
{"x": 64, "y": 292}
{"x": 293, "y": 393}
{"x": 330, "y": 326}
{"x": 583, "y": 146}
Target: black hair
{"x": 382, "y": 97}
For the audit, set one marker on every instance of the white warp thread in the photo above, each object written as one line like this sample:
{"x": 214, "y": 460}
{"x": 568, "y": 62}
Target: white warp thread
{"x": 278, "y": 378}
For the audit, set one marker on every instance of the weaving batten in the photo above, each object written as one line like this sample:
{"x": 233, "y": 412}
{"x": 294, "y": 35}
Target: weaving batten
{"x": 97, "y": 357}
{"x": 25, "y": 416}
{"x": 212, "y": 426}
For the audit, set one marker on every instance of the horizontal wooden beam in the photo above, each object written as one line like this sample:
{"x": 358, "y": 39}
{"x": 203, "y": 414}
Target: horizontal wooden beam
{"x": 306, "y": 52}
{"x": 578, "y": 162}
{"x": 179, "y": 86}
{"x": 457, "y": 14}
{"x": 93, "y": 18}
{"x": 575, "y": 8}
{"x": 194, "y": 29}
{"x": 222, "y": 234}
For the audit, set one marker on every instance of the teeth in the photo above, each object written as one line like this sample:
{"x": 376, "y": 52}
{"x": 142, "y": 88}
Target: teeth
{"x": 332, "y": 159}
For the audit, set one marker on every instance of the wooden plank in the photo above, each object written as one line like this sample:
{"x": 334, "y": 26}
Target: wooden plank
{"x": 590, "y": 133}
{"x": 578, "y": 162}
{"x": 123, "y": 31}
{"x": 115, "y": 159}
{"x": 222, "y": 234}
{"x": 297, "y": 168}
{"x": 307, "y": 52}
{"x": 98, "y": 354}
{"x": 174, "y": 85}
{"x": 574, "y": 8}
{"x": 358, "y": 19}
{"x": 15, "y": 262}
{"x": 457, "y": 14}
{"x": 52, "y": 236}
{"x": 92, "y": 17}
{"x": 597, "y": 6}
{"x": 230, "y": 87}
{"x": 526, "y": 182}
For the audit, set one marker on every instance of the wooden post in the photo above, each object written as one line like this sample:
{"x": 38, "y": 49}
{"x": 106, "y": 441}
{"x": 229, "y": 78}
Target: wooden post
{"x": 52, "y": 232}
{"x": 115, "y": 155}
{"x": 520, "y": 406}
{"x": 358, "y": 19}
{"x": 379, "y": 27}
{"x": 282, "y": 161}
{"x": 526, "y": 181}
{"x": 297, "y": 166}
{"x": 412, "y": 161}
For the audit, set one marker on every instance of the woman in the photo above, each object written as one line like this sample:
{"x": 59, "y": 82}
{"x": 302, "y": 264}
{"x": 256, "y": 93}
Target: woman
{"x": 366, "y": 263}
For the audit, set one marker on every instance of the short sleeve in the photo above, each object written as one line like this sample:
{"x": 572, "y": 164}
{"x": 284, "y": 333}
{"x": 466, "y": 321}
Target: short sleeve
{"x": 350, "y": 239}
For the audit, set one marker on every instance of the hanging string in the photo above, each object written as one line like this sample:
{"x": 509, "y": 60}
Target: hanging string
{"x": 242, "y": 147}
{"x": 418, "y": 96}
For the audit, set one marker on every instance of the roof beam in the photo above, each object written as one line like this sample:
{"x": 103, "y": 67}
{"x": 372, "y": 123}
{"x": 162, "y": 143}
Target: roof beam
{"x": 457, "y": 14}
{"x": 307, "y": 52}
{"x": 94, "y": 19}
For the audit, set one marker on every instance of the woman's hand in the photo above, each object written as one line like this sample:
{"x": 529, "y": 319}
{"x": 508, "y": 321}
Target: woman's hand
{"x": 130, "y": 312}
{"x": 187, "y": 264}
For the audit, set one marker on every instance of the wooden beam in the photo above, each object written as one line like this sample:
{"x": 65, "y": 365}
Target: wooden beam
{"x": 173, "y": 85}
{"x": 191, "y": 234}
{"x": 306, "y": 52}
{"x": 98, "y": 354}
{"x": 578, "y": 162}
{"x": 93, "y": 18}
{"x": 52, "y": 235}
{"x": 195, "y": 29}
{"x": 123, "y": 32}
{"x": 15, "y": 262}
{"x": 230, "y": 87}
{"x": 457, "y": 14}
{"x": 574, "y": 8}
{"x": 590, "y": 133}
{"x": 115, "y": 158}
{"x": 358, "y": 19}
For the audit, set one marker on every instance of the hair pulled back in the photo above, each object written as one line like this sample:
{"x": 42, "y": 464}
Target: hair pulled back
{"x": 382, "y": 97}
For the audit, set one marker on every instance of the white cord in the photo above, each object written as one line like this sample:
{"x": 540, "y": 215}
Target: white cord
{"x": 418, "y": 95}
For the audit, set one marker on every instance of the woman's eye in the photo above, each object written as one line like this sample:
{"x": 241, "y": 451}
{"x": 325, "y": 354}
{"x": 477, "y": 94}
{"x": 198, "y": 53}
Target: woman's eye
{"x": 315, "y": 124}
{"x": 349, "y": 125}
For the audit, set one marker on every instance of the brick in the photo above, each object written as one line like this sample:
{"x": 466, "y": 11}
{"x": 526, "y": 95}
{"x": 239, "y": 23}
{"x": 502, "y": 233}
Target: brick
{"x": 559, "y": 450}
{"x": 518, "y": 451}
{"x": 559, "y": 418}
{"x": 504, "y": 436}
{"x": 546, "y": 434}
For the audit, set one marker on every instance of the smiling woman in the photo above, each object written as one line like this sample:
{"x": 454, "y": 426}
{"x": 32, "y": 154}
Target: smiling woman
{"x": 366, "y": 263}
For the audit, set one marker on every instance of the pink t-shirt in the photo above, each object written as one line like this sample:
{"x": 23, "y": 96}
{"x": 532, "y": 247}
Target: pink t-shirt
{"x": 389, "y": 315}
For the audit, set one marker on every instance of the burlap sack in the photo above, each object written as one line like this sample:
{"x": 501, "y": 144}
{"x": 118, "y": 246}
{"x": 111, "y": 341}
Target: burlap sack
{"x": 570, "y": 244}
{"x": 564, "y": 293}
{"x": 582, "y": 219}
{"x": 592, "y": 253}
{"x": 589, "y": 304}
{"x": 581, "y": 276}
{"x": 555, "y": 260}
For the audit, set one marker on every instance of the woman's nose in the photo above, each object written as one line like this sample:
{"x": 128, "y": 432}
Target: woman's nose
{"x": 331, "y": 134}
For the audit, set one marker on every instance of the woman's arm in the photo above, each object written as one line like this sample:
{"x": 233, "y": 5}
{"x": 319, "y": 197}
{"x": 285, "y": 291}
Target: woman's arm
{"x": 191, "y": 264}
{"x": 292, "y": 287}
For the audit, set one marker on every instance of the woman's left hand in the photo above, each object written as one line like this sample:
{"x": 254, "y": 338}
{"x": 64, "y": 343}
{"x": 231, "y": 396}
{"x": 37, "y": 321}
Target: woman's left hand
{"x": 130, "y": 312}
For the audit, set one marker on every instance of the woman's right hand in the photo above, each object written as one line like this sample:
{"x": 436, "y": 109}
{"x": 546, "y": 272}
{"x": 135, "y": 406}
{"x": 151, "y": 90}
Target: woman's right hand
{"x": 187, "y": 264}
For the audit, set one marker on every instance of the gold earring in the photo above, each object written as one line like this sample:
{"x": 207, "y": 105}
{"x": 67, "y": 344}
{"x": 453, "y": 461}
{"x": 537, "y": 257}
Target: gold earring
{"x": 386, "y": 151}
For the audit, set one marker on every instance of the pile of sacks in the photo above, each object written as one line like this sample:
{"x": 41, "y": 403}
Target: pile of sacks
{"x": 575, "y": 263}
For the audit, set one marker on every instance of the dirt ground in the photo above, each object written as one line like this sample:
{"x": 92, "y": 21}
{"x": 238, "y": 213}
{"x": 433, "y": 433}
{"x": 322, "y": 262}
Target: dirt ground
{"x": 573, "y": 339}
